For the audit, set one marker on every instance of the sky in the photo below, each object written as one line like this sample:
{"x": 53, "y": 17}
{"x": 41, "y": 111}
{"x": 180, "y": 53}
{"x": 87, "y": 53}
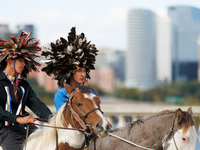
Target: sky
{"x": 104, "y": 22}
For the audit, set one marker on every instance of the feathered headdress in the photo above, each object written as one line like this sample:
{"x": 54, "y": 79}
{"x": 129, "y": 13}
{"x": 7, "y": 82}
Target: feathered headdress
{"x": 24, "y": 47}
{"x": 65, "y": 56}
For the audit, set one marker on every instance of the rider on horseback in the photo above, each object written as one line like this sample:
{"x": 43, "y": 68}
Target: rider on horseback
{"x": 16, "y": 61}
{"x": 70, "y": 62}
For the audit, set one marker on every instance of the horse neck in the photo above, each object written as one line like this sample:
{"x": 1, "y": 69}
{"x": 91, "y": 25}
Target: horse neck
{"x": 71, "y": 138}
{"x": 149, "y": 132}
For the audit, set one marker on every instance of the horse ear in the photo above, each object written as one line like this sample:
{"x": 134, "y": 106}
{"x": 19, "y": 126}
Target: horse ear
{"x": 179, "y": 115}
{"x": 190, "y": 111}
{"x": 68, "y": 88}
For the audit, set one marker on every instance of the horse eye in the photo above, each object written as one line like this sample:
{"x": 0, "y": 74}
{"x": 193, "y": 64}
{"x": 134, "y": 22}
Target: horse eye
{"x": 78, "y": 104}
{"x": 183, "y": 139}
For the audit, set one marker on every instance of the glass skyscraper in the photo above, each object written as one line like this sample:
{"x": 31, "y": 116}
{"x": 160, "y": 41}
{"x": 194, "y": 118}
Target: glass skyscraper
{"x": 185, "y": 31}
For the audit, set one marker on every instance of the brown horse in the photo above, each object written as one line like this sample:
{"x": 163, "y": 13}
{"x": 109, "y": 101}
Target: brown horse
{"x": 82, "y": 111}
{"x": 168, "y": 130}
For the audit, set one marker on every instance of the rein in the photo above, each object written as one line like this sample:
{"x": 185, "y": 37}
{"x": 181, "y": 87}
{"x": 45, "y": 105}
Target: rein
{"x": 115, "y": 136}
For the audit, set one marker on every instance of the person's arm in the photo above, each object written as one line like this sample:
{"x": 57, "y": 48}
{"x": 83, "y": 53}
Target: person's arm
{"x": 6, "y": 116}
{"x": 26, "y": 119}
{"x": 36, "y": 105}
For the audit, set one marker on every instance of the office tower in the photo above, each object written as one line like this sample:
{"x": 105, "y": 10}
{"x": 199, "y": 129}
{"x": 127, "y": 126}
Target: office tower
{"x": 198, "y": 43}
{"x": 163, "y": 50}
{"x": 185, "y": 31}
{"x": 140, "y": 68}
{"x": 117, "y": 62}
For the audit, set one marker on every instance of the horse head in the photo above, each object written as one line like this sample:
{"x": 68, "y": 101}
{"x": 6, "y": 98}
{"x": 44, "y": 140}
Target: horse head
{"x": 83, "y": 111}
{"x": 183, "y": 135}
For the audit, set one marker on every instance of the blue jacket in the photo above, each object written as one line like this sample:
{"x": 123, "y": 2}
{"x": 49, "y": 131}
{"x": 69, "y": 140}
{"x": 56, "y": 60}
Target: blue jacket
{"x": 61, "y": 97}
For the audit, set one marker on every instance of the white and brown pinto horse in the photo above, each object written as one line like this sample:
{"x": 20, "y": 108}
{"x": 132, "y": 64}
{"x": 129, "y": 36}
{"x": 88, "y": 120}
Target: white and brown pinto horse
{"x": 168, "y": 130}
{"x": 82, "y": 111}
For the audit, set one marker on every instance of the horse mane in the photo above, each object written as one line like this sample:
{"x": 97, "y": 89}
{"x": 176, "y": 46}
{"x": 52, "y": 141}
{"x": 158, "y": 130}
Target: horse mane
{"x": 86, "y": 89}
{"x": 42, "y": 136}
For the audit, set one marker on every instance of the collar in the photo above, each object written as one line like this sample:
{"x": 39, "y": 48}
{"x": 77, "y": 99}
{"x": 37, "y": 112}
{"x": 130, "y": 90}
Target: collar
{"x": 11, "y": 78}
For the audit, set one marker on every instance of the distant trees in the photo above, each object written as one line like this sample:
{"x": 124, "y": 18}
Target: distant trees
{"x": 46, "y": 97}
{"x": 189, "y": 92}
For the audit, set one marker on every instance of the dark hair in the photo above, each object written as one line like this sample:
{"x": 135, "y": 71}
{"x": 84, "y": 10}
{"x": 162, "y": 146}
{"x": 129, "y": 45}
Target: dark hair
{"x": 24, "y": 73}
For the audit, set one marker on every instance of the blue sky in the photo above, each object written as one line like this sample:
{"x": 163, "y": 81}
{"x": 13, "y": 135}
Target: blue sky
{"x": 103, "y": 21}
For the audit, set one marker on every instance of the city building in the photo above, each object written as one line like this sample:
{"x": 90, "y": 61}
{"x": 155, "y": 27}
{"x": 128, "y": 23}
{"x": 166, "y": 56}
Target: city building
{"x": 140, "y": 68}
{"x": 103, "y": 76}
{"x": 198, "y": 43}
{"x": 163, "y": 50}
{"x": 117, "y": 62}
{"x": 185, "y": 22}
{"x": 5, "y": 32}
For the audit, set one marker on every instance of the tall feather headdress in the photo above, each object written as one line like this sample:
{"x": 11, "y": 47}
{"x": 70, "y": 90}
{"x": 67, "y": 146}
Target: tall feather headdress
{"x": 65, "y": 56}
{"x": 24, "y": 47}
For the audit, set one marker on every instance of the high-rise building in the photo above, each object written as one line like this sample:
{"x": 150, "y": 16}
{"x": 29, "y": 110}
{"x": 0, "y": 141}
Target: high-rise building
{"x": 198, "y": 42}
{"x": 185, "y": 31}
{"x": 140, "y": 69}
{"x": 163, "y": 50}
{"x": 117, "y": 62}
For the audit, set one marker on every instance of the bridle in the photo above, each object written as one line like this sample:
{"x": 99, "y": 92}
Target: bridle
{"x": 171, "y": 133}
{"x": 74, "y": 113}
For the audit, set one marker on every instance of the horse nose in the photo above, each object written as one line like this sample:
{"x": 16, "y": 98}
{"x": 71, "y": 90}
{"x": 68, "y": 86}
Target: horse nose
{"x": 99, "y": 127}
{"x": 107, "y": 127}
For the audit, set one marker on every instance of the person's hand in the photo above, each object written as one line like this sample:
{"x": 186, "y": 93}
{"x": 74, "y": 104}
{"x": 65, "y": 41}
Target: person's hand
{"x": 24, "y": 120}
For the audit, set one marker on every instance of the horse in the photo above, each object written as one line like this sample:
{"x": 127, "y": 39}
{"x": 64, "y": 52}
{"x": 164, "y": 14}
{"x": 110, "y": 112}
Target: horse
{"x": 167, "y": 130}
{"x": 81, "y": 115}
{"x": 82, "y": 111}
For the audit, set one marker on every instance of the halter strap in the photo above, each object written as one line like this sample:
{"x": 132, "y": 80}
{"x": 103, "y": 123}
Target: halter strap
{"x": 69, "y": 106}
{"x": 75, "y": 115}
{"x": 171, "y": 133}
